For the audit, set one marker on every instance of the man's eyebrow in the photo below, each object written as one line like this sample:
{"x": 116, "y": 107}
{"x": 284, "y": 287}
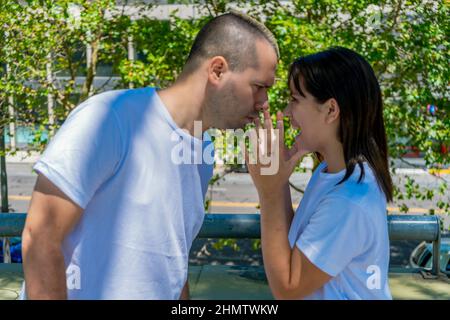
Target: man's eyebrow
{"x": 263, "y": 85}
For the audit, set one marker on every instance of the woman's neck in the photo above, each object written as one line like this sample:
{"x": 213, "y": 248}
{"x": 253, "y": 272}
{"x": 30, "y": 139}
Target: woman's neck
{"x": 334, "y": 157}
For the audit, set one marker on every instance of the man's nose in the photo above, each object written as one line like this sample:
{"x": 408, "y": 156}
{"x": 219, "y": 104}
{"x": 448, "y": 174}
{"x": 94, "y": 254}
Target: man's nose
{"x": 261, "y": 106}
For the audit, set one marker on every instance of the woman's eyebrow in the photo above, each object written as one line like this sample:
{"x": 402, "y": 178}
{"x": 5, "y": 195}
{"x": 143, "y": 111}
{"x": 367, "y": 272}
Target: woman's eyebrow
{"x": 264, "y": 85}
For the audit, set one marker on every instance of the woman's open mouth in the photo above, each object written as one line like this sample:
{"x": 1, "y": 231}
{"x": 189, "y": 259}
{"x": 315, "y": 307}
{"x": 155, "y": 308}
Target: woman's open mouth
{"x": 252, "y": 118}
{"x": 294, "y": 123}
{"x": 295, "y": 126}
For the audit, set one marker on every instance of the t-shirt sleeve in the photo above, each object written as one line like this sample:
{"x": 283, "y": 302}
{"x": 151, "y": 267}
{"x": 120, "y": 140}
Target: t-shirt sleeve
{"x": 84, "y": 152}
{"x": 337, "y": 232}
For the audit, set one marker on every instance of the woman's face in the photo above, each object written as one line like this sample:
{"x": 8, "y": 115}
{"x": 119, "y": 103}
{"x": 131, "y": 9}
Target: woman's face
{"x": 307, "y": 114}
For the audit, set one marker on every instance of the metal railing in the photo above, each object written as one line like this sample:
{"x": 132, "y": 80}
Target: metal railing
{"x": 401, "y": 227}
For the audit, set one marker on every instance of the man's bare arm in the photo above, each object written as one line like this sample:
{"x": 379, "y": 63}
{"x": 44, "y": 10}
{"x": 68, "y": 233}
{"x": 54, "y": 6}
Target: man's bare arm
{"x": 185, "y": 292}
{"x": 51, "y": 216}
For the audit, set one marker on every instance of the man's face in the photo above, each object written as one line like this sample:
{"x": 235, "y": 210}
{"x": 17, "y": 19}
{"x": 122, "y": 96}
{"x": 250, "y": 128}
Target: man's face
{"x": 244, "y": 94}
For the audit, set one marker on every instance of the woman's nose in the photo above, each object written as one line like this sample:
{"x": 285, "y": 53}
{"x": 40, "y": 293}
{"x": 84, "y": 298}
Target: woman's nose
{"x": 287, "y": 111}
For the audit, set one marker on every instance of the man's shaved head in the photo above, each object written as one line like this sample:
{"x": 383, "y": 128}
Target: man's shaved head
{"x": 233, "y": 36}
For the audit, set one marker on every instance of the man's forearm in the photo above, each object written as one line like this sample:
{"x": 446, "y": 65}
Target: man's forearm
{"x": 44, "y": 269}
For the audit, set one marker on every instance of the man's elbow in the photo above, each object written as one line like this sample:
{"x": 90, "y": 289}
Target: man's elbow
{"x": 43, "y": 243}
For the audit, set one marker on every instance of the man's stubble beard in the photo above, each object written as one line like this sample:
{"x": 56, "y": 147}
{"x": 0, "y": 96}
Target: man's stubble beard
{"x": 223, "y": 108}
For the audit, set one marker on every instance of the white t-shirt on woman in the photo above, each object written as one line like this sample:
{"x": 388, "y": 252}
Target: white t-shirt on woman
{"x": 342, "y": 230}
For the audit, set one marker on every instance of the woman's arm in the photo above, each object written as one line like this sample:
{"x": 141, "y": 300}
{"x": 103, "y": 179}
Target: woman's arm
{"x": 290, "y": 274}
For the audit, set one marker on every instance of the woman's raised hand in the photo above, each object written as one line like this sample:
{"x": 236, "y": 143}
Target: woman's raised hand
{"x": 270, "y": 163}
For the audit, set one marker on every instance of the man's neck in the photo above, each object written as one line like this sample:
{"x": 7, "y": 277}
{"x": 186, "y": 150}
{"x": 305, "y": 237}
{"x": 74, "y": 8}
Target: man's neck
{"x": 184, "y": 103}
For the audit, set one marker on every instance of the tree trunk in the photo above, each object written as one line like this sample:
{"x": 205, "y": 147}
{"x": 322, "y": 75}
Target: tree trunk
{"x": 50, "y": 96}
{"x": 91, "y": 61}
{"x": 131, "y": 54}
{"x": 12, "y": 118}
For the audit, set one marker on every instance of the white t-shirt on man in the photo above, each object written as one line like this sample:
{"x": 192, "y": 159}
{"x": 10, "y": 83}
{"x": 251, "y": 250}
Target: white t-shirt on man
{"x": 342, "y": 230}
{"x": 114, "y": 157}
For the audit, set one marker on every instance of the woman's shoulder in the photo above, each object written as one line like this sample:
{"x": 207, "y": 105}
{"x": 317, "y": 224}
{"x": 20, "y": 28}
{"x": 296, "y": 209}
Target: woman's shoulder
{"x": 352, "y": 195}
{"x": 357, "y": 196}
{"x": 360, "y": 188}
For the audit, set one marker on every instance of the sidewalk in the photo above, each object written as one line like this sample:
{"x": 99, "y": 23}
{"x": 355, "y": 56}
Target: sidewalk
{"x": 23, "y": 157}
{"x": 236, "y": 282}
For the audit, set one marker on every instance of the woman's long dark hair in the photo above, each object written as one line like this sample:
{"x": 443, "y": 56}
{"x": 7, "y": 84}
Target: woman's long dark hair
{"x": 347, "y": 77}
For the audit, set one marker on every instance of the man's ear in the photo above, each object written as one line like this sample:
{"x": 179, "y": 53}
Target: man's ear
{"x": 333, "y": 111}
{"x": 216, "y": 69}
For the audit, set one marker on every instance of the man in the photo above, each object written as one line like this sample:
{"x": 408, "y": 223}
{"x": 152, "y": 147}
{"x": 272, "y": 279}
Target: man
{"x": 112, "y": 215}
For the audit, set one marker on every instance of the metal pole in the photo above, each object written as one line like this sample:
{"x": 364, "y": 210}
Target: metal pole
{"x": 4, "y": 192}
{"x": 436, "y": 268}
{"x": 3, "y": 174}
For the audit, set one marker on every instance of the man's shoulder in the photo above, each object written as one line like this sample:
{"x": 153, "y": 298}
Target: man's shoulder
{"x": 118, "y": 97}
{"x": 118, "y": 104}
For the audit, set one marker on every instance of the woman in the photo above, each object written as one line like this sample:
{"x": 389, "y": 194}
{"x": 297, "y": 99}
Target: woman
{"x": 336, "y": 245}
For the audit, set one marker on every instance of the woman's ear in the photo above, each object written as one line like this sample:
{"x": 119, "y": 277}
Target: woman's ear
{"x": 333, "y": 111}
{"x": 216, "y": 69}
